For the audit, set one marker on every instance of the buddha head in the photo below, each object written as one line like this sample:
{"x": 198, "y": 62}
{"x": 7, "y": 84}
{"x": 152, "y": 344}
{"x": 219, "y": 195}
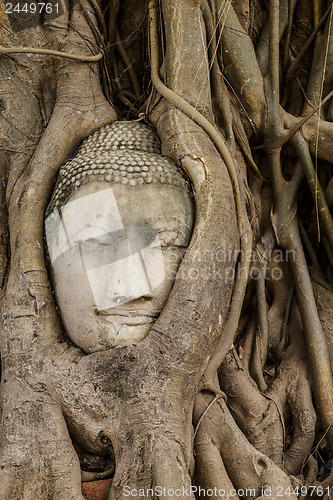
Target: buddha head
{"x": 117, "y": 226}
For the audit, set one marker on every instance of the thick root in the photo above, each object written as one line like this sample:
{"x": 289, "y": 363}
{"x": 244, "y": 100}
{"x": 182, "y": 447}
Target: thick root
{"x": 251, "y": 472}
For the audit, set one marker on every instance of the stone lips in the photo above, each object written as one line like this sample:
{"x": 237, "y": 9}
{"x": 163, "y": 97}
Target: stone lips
{"x": 119, "y": 153}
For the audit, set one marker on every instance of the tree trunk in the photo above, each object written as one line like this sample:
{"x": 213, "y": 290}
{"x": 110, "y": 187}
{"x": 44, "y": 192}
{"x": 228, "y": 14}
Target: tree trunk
{"x": 231, "y": 390}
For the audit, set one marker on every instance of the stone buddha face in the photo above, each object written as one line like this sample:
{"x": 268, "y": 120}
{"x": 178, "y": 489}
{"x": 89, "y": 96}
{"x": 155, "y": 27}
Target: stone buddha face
{"x": 115, "y": 249}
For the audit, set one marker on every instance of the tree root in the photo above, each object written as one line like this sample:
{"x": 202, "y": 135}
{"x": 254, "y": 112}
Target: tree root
{"x": 256, "y": 416}
{"x": 5, "y": 51}
{"x": 246, "y": 468}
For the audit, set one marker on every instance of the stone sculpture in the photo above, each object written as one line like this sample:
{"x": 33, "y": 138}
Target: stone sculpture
{"x": 117, "y": 226}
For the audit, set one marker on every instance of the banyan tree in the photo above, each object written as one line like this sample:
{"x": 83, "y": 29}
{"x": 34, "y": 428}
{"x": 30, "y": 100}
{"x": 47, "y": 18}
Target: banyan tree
{"x": 166, "y": 248}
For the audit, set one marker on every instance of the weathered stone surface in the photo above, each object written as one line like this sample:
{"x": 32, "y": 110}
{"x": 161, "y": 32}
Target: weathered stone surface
{"x": 115, "y": 246}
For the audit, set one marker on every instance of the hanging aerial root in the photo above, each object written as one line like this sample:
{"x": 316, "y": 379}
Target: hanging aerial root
{"x": 325, "y": 217}
{"x": 204, "y": 413}
{"x": 291, "y": 8}
{"x": 4, "y": 51}
{"x": 295, "y": 63}
{"x": 243, "y": 225}
{"x": 192, "y": 113}
{"x": 287, "y": 235}
{"x": 128, "y": 66}
{"x": 219, "y": 94}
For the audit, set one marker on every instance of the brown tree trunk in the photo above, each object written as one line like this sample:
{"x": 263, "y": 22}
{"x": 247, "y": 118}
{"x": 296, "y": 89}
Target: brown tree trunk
{"x": 156, "y": 408}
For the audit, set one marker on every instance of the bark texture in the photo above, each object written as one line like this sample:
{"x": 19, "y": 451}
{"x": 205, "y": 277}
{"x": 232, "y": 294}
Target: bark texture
{"x": 232, "y": 388}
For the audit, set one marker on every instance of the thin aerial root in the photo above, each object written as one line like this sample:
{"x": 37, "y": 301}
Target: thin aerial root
{"x": 295, "y": 64}
{"x": 204, "y": 413}
{"x": 129, "y": 66}
{"x": 4, "y": 51}
{"x": 325, "y": 217}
